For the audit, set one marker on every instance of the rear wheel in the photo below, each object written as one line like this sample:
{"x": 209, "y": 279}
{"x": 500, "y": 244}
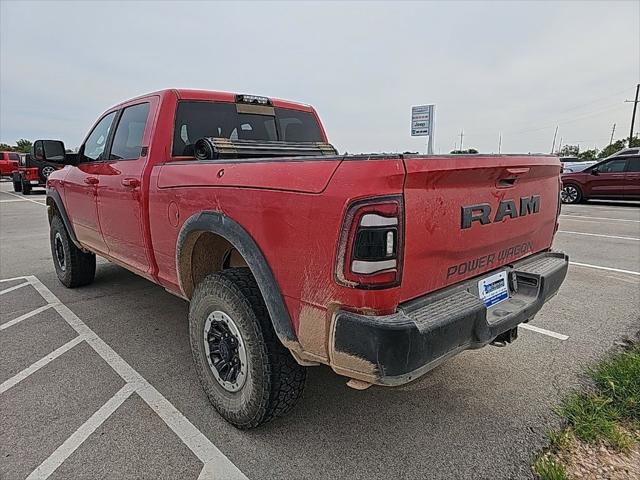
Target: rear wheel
{"x": 248, "y": 375}
{"x": 571, "y": 194}
{"x": 74, "y": 267}
{"x": 26, "y": 188}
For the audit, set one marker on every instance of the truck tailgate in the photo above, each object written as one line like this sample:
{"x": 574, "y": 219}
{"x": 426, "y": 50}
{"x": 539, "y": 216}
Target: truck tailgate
{"x": 467, "y": 215}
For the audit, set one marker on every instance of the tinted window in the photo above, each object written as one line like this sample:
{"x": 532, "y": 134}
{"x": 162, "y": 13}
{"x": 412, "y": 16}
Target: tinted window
{"x": 127, "y": 141}
{"x": 613, "y": 166}
{"x": 195, "y": 120}
{"x": 14, "y": 156}
{"x": 97, "y": 139}
{"x": 634, "y": 165}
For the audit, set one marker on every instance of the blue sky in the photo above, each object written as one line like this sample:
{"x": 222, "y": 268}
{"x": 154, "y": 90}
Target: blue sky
{"x": 519, "y": 68}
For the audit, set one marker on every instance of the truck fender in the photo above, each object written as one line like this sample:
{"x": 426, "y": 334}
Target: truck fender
{"x": 54, "y": 200}
{"x": 239, "y": 238}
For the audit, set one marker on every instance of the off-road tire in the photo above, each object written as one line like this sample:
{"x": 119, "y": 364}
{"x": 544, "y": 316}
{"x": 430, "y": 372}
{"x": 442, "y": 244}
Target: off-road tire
{"x": 572, "y": 194}
{"x": 26, "y": 188}
{"x": 79, "y": 267}
{"x": 17, "y": 186}
{"x": 274, "y": 381}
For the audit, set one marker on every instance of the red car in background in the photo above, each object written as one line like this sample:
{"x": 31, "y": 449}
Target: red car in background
{"x": 616, "y": 177}
{"x": 9, "y": 162}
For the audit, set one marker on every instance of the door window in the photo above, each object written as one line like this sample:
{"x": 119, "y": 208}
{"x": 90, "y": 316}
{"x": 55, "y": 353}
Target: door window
{"x": 634, "y": 165}
{"x": 127, "y": 141}
{"x": 614, "y": 166}
{"x": 97, "y": 139}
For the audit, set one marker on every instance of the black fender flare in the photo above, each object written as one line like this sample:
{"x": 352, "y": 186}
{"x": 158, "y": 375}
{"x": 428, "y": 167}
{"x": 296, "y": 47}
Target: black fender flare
{"x": 54, "y": 197}
{"x": 239, "y": 238}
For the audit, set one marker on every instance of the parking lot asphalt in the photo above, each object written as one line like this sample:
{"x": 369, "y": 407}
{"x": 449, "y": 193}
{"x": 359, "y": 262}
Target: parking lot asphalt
{"x": 120, "y": 398}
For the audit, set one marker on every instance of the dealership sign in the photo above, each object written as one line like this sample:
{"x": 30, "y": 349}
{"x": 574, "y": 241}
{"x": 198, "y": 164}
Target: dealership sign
{"x": 421, "y": 120}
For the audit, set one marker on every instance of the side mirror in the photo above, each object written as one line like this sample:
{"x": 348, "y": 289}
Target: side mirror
{"x": 49, "y": 151}
{"x": 595, "y": 171}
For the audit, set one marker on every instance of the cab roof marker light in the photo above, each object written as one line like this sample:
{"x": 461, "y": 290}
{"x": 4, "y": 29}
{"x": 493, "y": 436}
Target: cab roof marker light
{"x": 255, "y": 99}
{"x": 375, "y": 220}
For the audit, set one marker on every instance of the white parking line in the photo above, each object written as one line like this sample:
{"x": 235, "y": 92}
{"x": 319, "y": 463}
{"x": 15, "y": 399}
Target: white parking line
{"x": 600, "y": 235}
{"x": 544, "y": 331}
{"x": 6, "y": 385}
{"x": 609, "y": 269}
{"x": 215, "y": 463}
{"x": 25, "y": 316}
{"x": 13, "y": 200}
{"x": 72, "y": 443}
{"x": 25, "y": 199}
{"x": 602, "y": 218}
{"x": 15, "y": 287}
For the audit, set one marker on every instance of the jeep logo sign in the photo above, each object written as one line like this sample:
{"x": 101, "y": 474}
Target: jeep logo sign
{"x": 507, "y": 208}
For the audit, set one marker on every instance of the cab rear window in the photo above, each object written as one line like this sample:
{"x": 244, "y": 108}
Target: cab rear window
{"x": 195, "y": 120}
{"x": 14, "y": 156}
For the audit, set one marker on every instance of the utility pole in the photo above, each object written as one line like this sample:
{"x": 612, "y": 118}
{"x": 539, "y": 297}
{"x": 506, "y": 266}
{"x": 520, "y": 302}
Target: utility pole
{"x": 553, "y": 145}
{"x": 461, "y": 137}
{"x": 500, "y": 143}
{"x": 612, "y": 132}
{"x": 633, "y": 115}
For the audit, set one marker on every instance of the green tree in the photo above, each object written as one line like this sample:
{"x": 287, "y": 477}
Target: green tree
{"x": 23, "y": 145}
{"x": 6, "y": 148}
{"x": 588, "y": 154}
{"x": 613, "y": 148}
{"x": 569, "y": 151}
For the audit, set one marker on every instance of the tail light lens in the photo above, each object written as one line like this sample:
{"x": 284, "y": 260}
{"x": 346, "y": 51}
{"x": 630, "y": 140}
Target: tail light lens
{"x": 371, "y": 244}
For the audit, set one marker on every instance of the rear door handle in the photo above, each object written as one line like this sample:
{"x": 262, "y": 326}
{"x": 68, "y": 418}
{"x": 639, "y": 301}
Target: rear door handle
{"x": 91, "y": 180}
{"x": 131, "y": 182}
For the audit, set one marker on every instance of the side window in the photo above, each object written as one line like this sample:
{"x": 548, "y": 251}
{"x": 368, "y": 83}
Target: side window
{"x": 14, "y": 156}
{"x": 613, "y": 166}
{"x": 127, "y": 141}
{"x": 97, "y": 139}
{"x": 634, "y": 165}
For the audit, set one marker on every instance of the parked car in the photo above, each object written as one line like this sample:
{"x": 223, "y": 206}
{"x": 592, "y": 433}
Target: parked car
{"x": 9, "y": 162}
{"x": 616, "y": 177}
{"x": 380, "y": 266}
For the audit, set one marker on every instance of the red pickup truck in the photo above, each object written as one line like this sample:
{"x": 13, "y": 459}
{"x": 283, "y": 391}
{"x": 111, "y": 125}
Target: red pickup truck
{"x": 291, "y": 255}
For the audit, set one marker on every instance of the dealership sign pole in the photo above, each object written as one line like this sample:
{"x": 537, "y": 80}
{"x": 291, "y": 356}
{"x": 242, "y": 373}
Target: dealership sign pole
{"x": 422, "y": 123}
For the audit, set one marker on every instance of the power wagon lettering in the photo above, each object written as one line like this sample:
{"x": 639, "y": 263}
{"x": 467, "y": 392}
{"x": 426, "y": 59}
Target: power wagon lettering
{"x": 507, "y": 208}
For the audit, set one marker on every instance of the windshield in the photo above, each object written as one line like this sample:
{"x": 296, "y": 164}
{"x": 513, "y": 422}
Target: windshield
{"x": 195, "y": 120}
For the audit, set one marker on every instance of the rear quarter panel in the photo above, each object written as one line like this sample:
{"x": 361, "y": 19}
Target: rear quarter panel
{"x": 296, "y": 231}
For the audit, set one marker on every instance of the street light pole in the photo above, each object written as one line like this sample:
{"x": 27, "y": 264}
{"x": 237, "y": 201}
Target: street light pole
{"x": 633, "y": 116}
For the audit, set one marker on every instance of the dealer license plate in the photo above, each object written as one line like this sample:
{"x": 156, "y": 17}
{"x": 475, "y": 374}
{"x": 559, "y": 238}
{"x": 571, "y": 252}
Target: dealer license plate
{"x": 493, "y": 289}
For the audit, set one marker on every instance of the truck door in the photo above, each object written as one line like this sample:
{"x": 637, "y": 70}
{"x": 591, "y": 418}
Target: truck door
{"x": 81, "y": 182}
{"x": 120, "y": 195}
{"x": 609, "y": 179}
{"x": 632, "y": 178}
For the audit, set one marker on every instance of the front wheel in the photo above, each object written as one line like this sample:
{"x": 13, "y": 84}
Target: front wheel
{"x": 571, "y": 194}
{"x": 248, "y": 375}
{"x": 17, "y": 186}
{"x": 74, "y": 267}
{"x": 26, "y": 188}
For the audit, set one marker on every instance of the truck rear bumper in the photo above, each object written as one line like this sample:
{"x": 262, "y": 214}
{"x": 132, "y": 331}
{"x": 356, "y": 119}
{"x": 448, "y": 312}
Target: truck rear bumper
{"x": 398, "y": 348}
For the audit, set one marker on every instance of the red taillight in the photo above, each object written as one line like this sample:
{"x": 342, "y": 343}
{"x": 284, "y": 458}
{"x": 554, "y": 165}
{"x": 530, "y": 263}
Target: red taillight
{"x": 372, "y": 243}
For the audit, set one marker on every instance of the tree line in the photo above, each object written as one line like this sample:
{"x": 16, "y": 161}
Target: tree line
{"x": 594, "y": 153}
{"x": 21, "y": 146}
